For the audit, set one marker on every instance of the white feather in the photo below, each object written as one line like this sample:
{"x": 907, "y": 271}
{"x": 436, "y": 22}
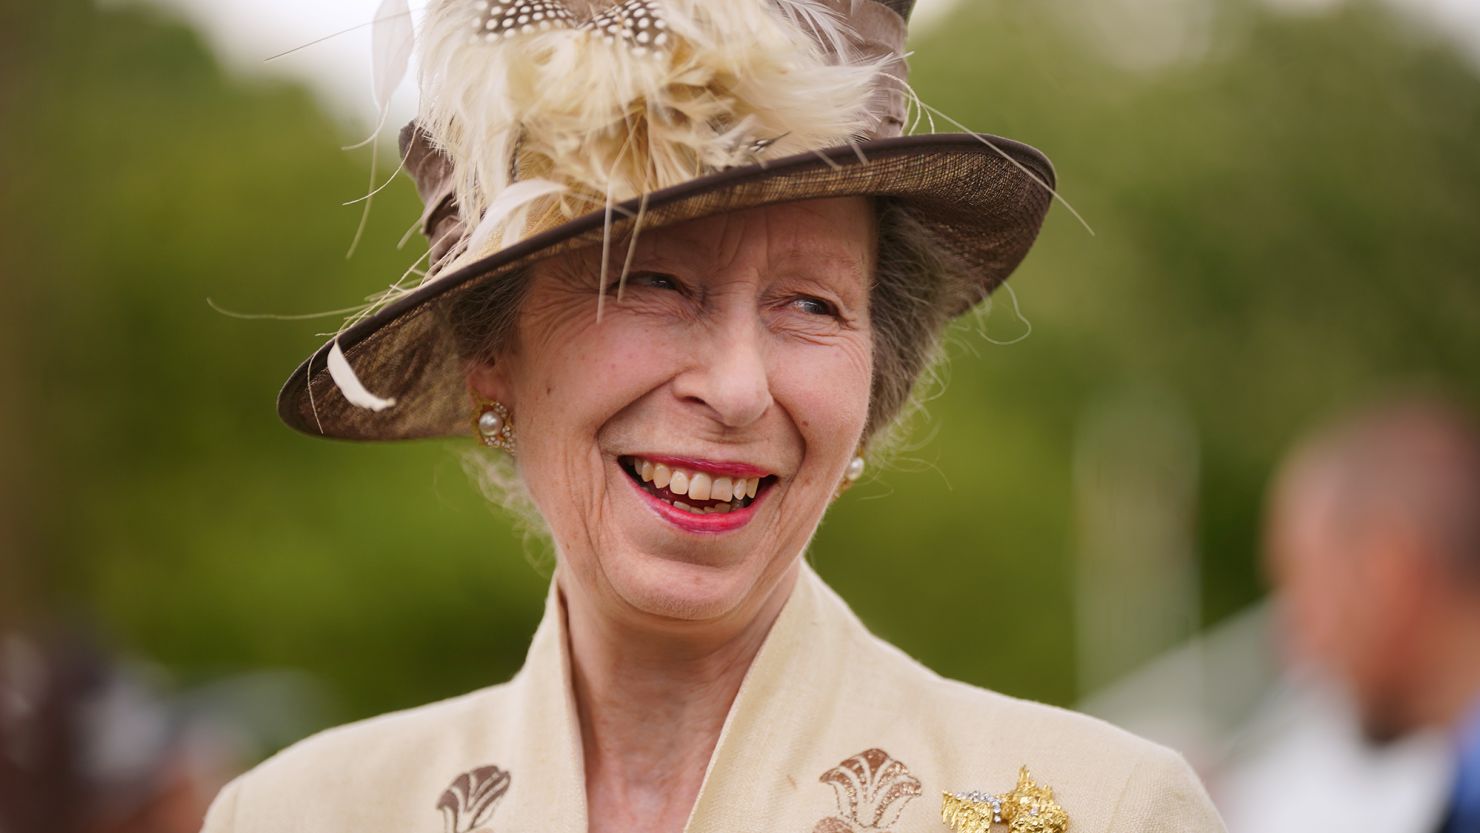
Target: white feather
{"x": 503, "y": 207}
{"x": 393, "y": 39}
{"x": 828, "y": 26}
{"x": 350, "y": 385}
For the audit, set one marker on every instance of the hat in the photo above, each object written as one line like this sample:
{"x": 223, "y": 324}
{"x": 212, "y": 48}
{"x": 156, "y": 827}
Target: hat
{"x": 551, "y": 125}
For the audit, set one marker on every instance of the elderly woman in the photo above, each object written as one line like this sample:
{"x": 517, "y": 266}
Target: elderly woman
{"x": 685, "y": 272}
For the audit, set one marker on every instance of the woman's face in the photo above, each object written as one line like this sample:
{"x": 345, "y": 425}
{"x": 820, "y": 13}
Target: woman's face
{"x": 737, "y": 357}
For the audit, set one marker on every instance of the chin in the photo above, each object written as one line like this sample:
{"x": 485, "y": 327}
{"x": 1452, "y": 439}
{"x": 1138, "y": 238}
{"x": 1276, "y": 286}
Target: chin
{"x": 682, "y": 590}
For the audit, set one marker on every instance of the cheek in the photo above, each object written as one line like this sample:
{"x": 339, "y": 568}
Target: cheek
{"x": 582, "y": 372}
{"x": 826, "y": 391}
{"x": 567, "y": 383}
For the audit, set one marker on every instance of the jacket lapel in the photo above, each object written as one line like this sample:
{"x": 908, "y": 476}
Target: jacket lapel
{"x": 800, "y": 749}
{"x": 547, "y": 790}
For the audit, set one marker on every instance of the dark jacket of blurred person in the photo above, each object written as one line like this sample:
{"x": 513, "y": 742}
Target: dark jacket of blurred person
{"x": 1374, "y": 544}
{"x": 88, "y": 744}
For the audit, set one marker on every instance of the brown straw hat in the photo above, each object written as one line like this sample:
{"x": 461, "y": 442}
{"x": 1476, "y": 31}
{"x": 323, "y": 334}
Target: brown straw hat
{"x": 675, "y": 110}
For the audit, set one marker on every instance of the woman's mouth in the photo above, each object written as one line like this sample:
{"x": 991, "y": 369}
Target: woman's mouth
{"x": 693, "y": 490}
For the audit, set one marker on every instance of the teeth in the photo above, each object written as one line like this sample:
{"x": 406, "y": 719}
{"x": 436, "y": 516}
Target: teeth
{"x": 699, "y": 486}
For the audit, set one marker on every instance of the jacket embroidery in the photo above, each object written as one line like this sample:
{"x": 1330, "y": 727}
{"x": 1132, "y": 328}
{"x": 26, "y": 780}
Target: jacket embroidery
{"x": 872, "y": 790}
{"x": 468, "y": 803}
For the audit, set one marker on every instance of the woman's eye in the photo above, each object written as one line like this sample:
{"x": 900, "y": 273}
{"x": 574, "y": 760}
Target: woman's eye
{"x": 814, "y": 306}
{"x": 657, "y": 281}
{"x": 651, "y": 280}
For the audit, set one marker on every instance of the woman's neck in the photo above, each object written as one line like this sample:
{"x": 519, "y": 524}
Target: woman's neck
{"x": 652, "y": 702}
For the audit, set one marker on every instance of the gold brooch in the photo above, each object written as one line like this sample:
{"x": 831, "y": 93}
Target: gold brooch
{"x": 1029, "y": 808}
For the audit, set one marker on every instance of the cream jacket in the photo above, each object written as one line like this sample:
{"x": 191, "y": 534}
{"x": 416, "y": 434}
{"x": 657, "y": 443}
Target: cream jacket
{"x": 833, "y": 731}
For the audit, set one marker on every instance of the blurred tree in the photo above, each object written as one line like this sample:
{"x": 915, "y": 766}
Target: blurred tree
{"x": 1284, "y": 224}
{"x": 171, "y": 507}
{"x": 1284, "y": 221}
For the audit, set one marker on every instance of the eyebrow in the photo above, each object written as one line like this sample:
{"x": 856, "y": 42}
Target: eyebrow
{"x": 814, "y": 254}
{"x": 818, "y": 253}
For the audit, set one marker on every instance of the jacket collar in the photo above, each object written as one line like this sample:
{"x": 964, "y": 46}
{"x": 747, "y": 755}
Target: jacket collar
{"x": 785, "y": 702}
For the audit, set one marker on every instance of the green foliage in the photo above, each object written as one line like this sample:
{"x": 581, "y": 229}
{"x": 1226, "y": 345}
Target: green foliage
{"x": 1282, "y": 229}
{"x": 1282, "y": 226}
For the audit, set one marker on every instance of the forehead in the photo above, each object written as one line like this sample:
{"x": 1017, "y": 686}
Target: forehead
{"x": 839, "y": 231}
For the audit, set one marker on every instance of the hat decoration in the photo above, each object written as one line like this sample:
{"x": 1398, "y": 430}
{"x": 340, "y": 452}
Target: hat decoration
{"x": 545, "y": 110}
{"x": 544, "y": 114}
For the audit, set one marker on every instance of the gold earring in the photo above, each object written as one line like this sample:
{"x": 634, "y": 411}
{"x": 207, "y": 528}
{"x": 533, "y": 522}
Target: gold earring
{"x": 850, "y": 475}
{"x": 493, "y": 426}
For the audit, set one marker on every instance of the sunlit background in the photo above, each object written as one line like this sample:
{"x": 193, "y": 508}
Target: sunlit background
{"x": 1285, "y": 203}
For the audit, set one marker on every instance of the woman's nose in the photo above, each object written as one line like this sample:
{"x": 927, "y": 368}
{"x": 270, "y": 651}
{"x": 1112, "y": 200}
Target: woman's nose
{"x": 728, "y": 374}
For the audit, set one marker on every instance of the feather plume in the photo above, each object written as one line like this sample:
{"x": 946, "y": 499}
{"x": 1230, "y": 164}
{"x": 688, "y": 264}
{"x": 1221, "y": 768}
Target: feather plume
{"x": 650, "y": 94}
{"x": 393, "y": 40}
{"x": 507, "y": 204}
{"x": 392, "y": 43}
{"x": 825, "y": 24}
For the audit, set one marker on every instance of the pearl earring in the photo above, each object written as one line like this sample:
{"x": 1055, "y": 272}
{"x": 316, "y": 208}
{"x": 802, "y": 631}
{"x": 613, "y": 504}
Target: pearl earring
{"x": 494, "y": 426}
{"x": 850, "y": 475}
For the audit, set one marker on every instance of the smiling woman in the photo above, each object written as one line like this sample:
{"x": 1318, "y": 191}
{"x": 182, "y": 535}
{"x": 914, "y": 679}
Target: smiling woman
{"x": 685, "y": 275}
{"x": 739, "y": 348}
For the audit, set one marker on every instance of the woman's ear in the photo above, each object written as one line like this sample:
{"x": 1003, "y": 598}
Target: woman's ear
{"x": 489, "y": 382}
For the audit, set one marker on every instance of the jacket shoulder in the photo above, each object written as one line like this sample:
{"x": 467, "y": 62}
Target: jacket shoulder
{"x": 1119, "y": 781}
{"x": 895, "y": 682}
{"x": 352, "y": 768}
{"x": 1013, "y": 722}
{"x": 1108, "y": 779}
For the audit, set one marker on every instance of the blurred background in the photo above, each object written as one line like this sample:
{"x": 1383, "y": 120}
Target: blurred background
{"x": 1285, "y": 199}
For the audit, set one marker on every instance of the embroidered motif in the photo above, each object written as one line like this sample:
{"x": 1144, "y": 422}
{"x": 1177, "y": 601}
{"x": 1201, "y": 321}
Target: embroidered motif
{"x": 872, "y": 790}
{"x": 1029, "y": 808}
{"x": 468, "y": 803}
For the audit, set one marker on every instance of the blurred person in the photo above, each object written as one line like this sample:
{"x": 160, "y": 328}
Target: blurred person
{"x": 89, "y": 744}
{"x": 1374, "y": 548}
{"x": 679, "y": 408}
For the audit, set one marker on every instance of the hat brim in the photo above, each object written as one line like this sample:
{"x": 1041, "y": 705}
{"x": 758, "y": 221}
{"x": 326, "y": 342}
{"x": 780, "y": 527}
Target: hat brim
{"x": 983, "y": 197}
